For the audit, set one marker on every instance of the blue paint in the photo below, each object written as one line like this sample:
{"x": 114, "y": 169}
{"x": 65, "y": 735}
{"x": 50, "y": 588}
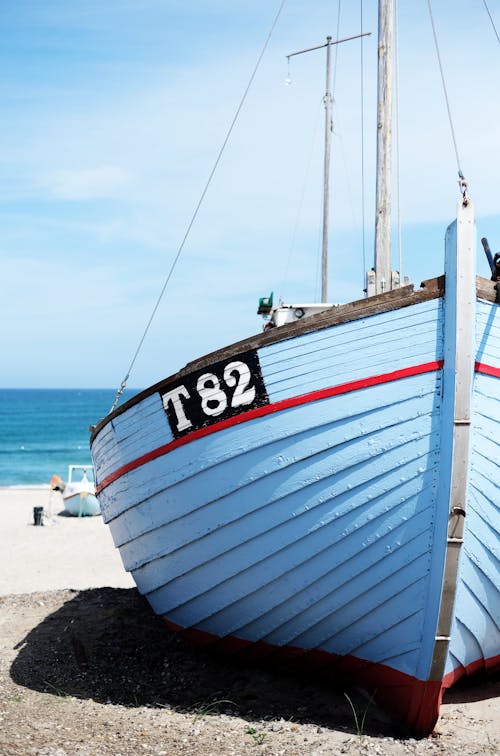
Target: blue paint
{"x": 237, "y": 441}
{"x": 322, "y": 526}
{"x": 310, "y": 434}
{"x": 351, "y": 351}
{"x": 476, "y": 627}
{"x": 328, "y": 483}
{"x": 138, "y": 431}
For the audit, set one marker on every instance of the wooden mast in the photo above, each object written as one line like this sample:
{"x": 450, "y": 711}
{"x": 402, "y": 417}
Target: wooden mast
{"x": 382, "y": 278}
{"x": 326, "y": 184}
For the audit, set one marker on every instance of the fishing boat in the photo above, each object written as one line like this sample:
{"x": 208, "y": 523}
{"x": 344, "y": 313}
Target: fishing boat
{"x": 78, "y": 492}
{"x": 326, "y": 492}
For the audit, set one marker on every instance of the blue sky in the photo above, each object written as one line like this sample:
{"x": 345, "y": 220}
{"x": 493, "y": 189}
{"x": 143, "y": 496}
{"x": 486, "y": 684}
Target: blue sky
{"x": 112, "y": 115}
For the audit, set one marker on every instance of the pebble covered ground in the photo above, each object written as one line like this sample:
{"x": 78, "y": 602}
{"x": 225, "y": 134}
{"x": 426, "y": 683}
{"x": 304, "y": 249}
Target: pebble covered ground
{"x": 91, "y": 673}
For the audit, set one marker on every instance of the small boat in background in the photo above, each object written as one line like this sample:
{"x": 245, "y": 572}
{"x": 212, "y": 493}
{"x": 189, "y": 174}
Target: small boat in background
{"x": 79, "y": 492}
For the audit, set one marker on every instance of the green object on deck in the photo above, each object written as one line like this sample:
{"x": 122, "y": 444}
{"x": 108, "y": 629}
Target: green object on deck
{"x": 265, "y": 304}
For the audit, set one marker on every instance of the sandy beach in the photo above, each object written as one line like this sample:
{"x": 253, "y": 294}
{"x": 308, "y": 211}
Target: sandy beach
{"x": 67, "y": 552}
{"x": 87, "y": 669}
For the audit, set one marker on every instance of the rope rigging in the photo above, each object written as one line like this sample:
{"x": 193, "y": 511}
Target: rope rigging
{"x": 491, "y": 20}
{"x": 304, "y": 187}
{"x": 198, "y": 205}
{"x": 462, "y": 183}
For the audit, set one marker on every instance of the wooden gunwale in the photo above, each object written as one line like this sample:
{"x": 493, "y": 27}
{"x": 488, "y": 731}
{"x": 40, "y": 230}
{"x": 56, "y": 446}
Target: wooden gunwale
{"x": 392, "y": 300}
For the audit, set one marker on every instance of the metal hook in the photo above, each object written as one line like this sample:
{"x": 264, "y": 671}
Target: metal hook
{"x": 463, "y": 186}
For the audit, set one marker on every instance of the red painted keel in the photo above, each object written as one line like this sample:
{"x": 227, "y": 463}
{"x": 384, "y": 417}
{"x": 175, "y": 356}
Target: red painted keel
{"x": 411, "y": 702}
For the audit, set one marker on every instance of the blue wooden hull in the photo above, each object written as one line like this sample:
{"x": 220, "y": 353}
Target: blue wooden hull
{"x": 475, "y": 635}
{"x": 314, "y": 521}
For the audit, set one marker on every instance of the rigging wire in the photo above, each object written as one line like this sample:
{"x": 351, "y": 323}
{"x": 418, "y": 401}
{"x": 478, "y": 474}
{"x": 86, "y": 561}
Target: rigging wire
{"x": 339, "y": 9}
{"x": 462, "y": 182}
{"x": 492, "y": 22}
{"x": 305, "y": 184}
{"x": 198, "y": 205}
{"x": 346, "y": 164}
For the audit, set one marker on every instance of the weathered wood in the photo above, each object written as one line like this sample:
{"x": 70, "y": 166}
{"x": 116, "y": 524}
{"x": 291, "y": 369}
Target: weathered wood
{"x": 486, "y": 289}
{"x": 431, "y": 284}
{"x": 326, "y": 172}
{"x": 383, "y": 227}
{"x": 360, "y": 308}
{"x": 456, "y": 413}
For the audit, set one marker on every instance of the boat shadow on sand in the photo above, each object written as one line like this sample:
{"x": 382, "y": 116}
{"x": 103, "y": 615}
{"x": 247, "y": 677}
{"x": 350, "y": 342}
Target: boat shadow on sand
{"x": 107, "y": 645}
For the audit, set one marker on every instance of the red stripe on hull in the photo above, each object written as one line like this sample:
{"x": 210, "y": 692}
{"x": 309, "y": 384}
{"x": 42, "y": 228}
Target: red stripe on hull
{"x": 481, "y": 367}
{"x": 480, "y": 665}
{"x": 413, "y": 703}
{"x": 296, "y": 401}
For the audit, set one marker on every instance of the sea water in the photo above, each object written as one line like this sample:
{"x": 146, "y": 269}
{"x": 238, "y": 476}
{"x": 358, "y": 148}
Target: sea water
{"x": 43, "y": 431}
